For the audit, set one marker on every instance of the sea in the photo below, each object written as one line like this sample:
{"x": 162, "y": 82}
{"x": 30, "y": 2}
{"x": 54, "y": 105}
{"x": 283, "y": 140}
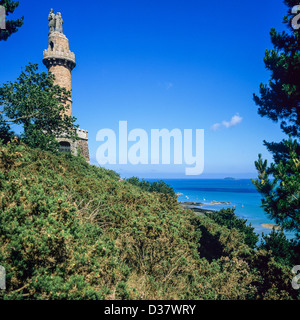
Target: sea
{"x": 241, "y": 194}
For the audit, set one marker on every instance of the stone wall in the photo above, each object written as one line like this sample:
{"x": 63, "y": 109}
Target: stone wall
{"x": 83, "y": 145}
{"x": 79, "y": 146}
{"x": 84, "y": 149}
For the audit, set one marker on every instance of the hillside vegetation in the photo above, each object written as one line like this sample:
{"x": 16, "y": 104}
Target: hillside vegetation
{"x": 69, "y": 230}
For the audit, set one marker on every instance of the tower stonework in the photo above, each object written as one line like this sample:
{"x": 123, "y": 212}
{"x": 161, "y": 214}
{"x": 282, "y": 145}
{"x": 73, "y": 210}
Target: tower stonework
{"x": 60, "y": 61}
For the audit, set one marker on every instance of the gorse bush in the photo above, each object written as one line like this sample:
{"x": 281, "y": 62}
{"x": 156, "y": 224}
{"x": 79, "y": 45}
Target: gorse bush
{"x": 228, "y": 218}
{"x": 69, "y": 230}
{"x": 156, "y": 186}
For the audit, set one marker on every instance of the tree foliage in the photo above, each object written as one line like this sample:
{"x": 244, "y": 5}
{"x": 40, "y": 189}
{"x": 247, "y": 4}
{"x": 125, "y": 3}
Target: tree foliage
{"x": 38, "y": 105}
{"x": 286, "y": 252}
{"x": 279, "y": 101}
{"x": 11, "y": 25}
{"x": 281, "y": 194}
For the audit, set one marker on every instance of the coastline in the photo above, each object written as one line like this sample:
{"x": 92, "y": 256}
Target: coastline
{"x": 194, "y": 206}
{"x": 198, "y": 195}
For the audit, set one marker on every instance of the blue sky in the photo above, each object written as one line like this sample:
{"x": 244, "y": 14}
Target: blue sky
{"x": 189, "y": 64}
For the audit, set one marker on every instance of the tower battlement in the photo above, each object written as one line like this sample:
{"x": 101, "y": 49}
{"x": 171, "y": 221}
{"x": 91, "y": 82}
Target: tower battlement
{"x": 58, "y": 52}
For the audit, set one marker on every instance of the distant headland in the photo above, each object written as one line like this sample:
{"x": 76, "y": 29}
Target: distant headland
{"x": 195, "y": 206}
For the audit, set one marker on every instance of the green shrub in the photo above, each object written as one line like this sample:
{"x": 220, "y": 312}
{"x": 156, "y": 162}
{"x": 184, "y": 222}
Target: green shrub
{"x": 286, "y": 252}
{"x": 69, "y": 230}
{"x": 156, "y": 186}
{"x": 227, "y": 217}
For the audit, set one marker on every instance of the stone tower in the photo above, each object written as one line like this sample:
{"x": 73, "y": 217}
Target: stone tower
{"x": 60, "y": 61}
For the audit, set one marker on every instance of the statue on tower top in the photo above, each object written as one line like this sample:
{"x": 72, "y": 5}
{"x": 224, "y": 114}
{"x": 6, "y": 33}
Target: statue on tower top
{"x": 55, "y": 22}
{"x": 59, "y": 23}
{"x": 51, "y": 19}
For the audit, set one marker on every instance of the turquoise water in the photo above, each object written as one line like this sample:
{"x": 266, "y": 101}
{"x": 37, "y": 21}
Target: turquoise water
{"x": 240, "y": 193}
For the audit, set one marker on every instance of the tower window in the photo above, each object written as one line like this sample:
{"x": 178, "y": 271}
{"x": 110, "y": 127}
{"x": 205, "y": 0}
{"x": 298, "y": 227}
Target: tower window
{"x": 65, "y": 147}
{"x": 51, "y": 45}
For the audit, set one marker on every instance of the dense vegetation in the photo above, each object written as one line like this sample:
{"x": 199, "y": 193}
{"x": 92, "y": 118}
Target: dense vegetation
{"x": 69, "y": 230}
{"x": 156, "y": 186}
{"x": 231, "y": 221}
